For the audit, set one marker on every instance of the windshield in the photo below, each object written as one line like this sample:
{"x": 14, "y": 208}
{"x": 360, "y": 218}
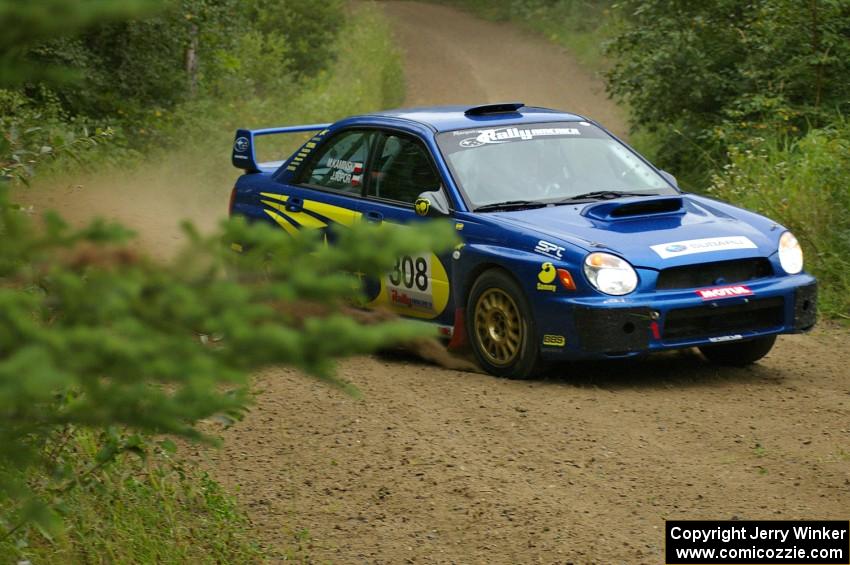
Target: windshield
{"x": 544, "y": 163}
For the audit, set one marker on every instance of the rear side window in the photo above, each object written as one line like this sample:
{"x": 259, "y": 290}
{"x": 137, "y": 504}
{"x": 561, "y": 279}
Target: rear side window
{"x": 402, "y": 170}
{"x": 339, "y": 164}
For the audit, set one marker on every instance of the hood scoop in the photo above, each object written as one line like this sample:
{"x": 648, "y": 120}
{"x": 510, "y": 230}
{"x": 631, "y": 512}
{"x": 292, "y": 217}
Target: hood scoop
{"x": 642, "y": 207}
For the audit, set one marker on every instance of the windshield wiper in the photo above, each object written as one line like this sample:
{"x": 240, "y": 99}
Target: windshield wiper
{"x": 604, "y": 195}
{"x": 507, "y": 204}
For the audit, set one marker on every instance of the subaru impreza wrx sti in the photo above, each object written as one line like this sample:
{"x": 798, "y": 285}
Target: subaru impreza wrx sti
{"x": 574, "y": 246}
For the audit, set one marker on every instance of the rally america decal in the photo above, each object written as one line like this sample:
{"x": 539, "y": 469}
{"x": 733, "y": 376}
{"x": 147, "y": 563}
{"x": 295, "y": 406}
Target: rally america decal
{"x": 692, "y": 246}
{"x": 724, "y": 292}
{"x": 503, "y": 135}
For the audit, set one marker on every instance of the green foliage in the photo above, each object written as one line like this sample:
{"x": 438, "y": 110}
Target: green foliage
{"x": 308, "y": 28}
{"x": 801, "y": 183}
{"x": 101, "y": 348}
{"x": 136, "y": 510}
{"x": 39, "y": 132}
{"x": 706, "y": 75}
{"x": 27, "y": 25}
{"x": 125, "y": 79}
{"x": 94, "y": 335}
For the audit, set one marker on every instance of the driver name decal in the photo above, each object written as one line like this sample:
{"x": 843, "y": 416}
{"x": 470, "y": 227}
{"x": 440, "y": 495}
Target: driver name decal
{"x": 691, "y": 246}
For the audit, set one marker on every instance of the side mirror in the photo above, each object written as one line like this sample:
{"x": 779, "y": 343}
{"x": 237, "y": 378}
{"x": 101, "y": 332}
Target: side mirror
{"x": 432, "y": 204}
{"x": 669, "y": 178}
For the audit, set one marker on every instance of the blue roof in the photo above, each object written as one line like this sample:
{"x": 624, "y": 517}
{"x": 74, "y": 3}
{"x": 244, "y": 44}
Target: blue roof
{"x": 448, "y": 118}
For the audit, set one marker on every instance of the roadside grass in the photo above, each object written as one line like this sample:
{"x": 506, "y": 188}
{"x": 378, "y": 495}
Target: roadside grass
{"x": 162, "y": 509}
{"x": 135, "y": 510}
{"x": 802, "y": 184}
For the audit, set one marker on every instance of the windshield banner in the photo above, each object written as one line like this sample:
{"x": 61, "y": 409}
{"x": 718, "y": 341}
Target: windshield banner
{"x": 470, "y": 138}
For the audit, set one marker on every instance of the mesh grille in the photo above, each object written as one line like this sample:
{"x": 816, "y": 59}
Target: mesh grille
{"x": 709, "y": 274}
{"x": 706, "y": 321}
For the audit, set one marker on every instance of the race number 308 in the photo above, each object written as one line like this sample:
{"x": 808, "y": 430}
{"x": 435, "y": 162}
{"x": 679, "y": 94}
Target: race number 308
{"x": 410, "y": 272}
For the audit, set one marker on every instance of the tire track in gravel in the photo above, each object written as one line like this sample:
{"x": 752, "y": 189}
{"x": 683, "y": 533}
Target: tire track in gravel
{"x": 583, "y": 465}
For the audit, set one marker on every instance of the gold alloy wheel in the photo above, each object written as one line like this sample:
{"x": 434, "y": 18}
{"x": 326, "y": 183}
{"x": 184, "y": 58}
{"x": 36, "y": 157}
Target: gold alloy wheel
{"x": 498, "y": 327}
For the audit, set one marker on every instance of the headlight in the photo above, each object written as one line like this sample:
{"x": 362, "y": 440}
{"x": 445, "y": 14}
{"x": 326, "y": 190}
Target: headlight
{"x": 790, "y": 253}
{"x": 610, "y": 274}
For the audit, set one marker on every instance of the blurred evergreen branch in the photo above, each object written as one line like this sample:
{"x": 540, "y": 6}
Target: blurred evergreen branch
{"x": 94, "y": 335}
{"x": 29, "y": 23}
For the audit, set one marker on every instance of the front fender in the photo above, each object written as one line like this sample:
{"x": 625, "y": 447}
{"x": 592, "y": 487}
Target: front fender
{"x": 532, "y": 272}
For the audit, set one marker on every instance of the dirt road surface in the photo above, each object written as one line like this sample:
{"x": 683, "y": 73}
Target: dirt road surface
{"x": 454, "y": 58}
{"x": 583, "y": 465}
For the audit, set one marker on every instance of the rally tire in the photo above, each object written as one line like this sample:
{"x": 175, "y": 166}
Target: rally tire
{"x": 739, "y": 353}
{"x": 500, "y": 326}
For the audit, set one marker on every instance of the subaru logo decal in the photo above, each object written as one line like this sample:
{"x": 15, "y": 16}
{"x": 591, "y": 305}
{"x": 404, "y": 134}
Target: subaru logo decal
{"x": 241, "y": 144}
{"x": 675, "y": 248}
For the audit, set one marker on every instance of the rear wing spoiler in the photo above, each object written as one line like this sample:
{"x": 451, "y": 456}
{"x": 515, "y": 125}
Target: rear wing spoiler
{"x": 244, "y": 154}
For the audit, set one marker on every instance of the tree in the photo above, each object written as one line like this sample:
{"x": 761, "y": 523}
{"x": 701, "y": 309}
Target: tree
{"x": 704, "y": 75}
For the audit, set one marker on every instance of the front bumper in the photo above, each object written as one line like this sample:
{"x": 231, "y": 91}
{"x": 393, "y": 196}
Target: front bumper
{"x": 600, "y": 327}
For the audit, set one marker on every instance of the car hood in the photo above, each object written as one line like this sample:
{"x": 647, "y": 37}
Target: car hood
{"x": 656, "y": 232}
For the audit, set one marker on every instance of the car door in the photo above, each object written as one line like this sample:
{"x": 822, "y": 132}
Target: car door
{"x": 400, "y": 170}
{"x": 328, "y": 188}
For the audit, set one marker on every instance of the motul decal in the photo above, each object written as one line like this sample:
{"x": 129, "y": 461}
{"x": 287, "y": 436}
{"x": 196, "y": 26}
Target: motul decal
{"x": 724, "y": 292}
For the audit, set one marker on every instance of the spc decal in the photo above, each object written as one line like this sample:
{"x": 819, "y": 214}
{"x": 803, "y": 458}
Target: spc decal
{"x": 547, "y": 248}
{"x": 546, "y": 277}
{"x": 691, "y": 246}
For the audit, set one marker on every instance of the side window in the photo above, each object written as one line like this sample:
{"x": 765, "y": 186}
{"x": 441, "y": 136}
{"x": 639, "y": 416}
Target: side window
{"x": 402, "y": 171}
{"x": 339, "y": 164}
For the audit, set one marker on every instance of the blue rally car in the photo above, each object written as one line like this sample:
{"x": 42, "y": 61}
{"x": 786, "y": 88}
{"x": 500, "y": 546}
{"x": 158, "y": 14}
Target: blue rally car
{"x": 574, "y": 246}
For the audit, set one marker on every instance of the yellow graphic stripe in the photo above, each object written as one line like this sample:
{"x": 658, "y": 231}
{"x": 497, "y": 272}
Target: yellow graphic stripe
{"x": 290, "y": 229}
{"x": 304, "y": 220}
{"x": 336, "y": 214}
{"x": 273, "y": 196}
